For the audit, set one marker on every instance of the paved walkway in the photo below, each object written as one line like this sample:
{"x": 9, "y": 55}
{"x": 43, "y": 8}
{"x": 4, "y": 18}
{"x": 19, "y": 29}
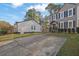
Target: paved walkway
{"x": 38, "y": 45}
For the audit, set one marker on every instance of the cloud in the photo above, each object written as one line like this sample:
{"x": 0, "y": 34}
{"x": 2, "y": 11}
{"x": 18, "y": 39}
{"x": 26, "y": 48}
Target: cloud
{"x": 38, "y": 7}
{"x": 17, "y": 4}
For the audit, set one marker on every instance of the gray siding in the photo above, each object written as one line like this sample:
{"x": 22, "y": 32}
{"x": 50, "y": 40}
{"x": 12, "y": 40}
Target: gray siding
{"x": 65, "y": 8}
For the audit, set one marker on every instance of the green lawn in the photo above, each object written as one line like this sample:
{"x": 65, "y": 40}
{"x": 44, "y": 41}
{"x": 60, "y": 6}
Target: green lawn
{"x": 13, "y": 36}
{"x": 71, "y": 46}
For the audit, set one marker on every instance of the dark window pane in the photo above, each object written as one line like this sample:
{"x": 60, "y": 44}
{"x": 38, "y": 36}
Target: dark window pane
{"x": 73, "y": 11}
{"x": 74, "y": 23}
{"x": 59, "y": 25}
{"x": 32, "y": 27}
{"x": 59, "y": 15}
{"x": 65, "y": 13}
{"x": 56, "y": 16}
{"x": 70, "y": 12}
{"x": 70, "y": 24}
{"x": 65, "y": 25}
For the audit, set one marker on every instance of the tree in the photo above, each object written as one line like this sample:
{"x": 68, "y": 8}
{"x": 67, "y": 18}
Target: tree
{"x": 52, "y": 8}
{"x": 45, "y": 24}
{"x": 5, "y": 27}
{"x": 32, "y": 14}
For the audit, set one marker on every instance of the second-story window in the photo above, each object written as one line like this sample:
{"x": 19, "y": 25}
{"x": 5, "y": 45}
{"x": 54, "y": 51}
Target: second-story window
{"x": 65, "y": 13}
{"x": 70, "y": 12}
{"x": 61, "y": 15}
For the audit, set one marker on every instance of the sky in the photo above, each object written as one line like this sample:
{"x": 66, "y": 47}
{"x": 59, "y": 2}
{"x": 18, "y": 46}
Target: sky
{"x": 14, "y": 12}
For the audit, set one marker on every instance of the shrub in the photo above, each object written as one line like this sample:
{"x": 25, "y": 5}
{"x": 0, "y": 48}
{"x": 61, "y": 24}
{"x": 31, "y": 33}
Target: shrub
{"x": 2, "y": 31}
{"x": 58, "y": 30}
{"x": 73, "y": 30}
{"x": 62, "y": 30}
{"x": 65, "y": 30}
{"x": 69, "y": 30}
{"x": 16, "y": 32}
{"x": 78, "y": 30}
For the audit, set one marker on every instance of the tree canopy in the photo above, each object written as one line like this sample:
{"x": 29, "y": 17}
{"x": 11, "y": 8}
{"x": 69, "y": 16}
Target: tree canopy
{"x": 5, "y": 26}
{"x": 32, "y": 14}
{"x": 52, "y": 8}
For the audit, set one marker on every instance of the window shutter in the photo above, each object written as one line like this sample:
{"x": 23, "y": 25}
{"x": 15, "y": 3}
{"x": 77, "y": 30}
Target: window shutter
{"x": 73, "y": 11}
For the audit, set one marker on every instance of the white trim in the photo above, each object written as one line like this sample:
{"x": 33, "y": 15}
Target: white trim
{"x": 72, "y": 12}
{"x": 61, "y": 13}
{"x": 62, "y": 22}
{"x": 68, "y": 23}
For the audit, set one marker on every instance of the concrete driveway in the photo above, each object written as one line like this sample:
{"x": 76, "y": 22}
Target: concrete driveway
{"x": 37, "y": 45}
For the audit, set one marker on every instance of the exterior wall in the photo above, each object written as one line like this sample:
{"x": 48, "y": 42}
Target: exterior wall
{"x": 78, "y": 15}
{"x": 72, "y": 18}
{"x": 67, "y": 22}
{"x": 78, "y": 23}
{"x": 26, "y": 26}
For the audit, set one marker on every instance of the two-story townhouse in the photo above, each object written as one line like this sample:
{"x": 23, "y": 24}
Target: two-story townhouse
{"x": 67, "y": 18}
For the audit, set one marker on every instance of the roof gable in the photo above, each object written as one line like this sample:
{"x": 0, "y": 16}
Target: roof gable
{"x": 26, "y": 21}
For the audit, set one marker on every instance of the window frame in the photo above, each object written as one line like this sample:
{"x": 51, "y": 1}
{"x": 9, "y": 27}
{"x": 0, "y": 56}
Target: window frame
{"x": 61, "y": 26}
{"x": 62, "y": 15}
{"x": 66, "y": 13}
{"x": 65, "y": 24}
{"x": 34, "y": 27}
{"x": 69, "y": 24}
{"x": 71, "y": 12}
{"x": 31, "y": 27}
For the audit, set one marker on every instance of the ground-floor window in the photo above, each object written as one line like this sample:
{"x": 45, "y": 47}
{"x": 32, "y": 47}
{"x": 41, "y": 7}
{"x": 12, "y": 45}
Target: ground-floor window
{"x": 33, "y": 27}
{"x": 65, "y": 25}
{"x": 61, "y": 25}
{"x": 70, "y": 24}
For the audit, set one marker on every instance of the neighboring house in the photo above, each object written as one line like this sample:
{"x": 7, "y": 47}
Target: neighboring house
{"x": 66, "y": 19}
{"x": 27, "y": 26}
